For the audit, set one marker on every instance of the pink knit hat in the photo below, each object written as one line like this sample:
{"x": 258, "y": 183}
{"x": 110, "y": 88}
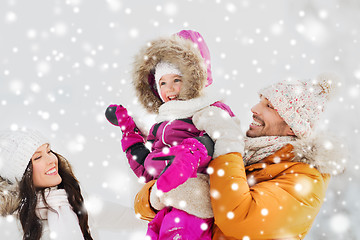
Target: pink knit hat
{"x": 300, "y": 102}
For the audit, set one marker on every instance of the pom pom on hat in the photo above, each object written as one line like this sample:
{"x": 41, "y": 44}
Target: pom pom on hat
{"x": 300, "y": 102}
{"x": 329, "y": 83}
{"x": 16, "y": 150}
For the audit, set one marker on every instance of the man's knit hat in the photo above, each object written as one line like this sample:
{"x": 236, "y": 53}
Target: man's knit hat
{"x": 16, "y": 150}
{"x": 161, "y": 69}
{"x": 300, "y": 102}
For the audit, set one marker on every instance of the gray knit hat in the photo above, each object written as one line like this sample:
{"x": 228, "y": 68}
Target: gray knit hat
{"x": 16, "y": 150}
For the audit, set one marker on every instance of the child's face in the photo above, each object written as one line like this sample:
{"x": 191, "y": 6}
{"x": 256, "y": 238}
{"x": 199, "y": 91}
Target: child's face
{"x": 170, "y": 86}
{"x": 45, "y": 168}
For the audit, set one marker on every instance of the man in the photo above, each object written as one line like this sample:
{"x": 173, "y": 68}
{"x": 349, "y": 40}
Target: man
{"x": 277, "y": 188}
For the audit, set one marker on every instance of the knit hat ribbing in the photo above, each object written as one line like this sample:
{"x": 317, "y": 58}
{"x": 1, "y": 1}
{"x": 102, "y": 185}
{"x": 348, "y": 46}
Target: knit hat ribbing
{"x": 300, "y": 102}
{"x": 16, "y": 150}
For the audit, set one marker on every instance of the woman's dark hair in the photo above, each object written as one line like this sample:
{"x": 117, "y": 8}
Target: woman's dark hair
{"x": 31, "y": 224}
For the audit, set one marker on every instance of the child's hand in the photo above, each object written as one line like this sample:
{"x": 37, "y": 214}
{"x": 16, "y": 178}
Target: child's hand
{"x": 110, "y": 114}
{"x": 187, "y": 157}
{"x": 118, "y": 116}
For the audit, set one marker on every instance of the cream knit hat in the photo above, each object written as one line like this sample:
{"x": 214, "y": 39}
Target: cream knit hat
{"x": 16, "y": 150}
{"x": 161, "y": 69}
{"x": 299, "y": 102}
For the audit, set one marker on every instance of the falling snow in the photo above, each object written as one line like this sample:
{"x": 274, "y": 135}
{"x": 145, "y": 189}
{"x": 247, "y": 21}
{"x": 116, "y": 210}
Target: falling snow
{"x": 63, "y": 63}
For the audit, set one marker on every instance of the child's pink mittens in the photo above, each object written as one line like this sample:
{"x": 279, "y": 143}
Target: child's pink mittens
{"x": 110, "y": 114}
{"x": 118, "y": 116}
{"x": 187, "y": 157}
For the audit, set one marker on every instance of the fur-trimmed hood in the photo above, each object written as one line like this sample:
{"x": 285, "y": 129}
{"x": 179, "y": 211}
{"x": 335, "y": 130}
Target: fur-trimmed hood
{"x": 323, "y": 151}
{"x": 188, "y": 51}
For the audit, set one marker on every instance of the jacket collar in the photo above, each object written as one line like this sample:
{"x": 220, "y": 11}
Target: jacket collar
{"x": 183, "y": 109}
{"x": 285, "y": 154}
{"x": 321, "y": 150}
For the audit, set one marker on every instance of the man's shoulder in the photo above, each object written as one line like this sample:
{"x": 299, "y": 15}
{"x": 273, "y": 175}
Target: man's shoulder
{"x": 283, "y": 168}
{"x": 294, "y": 167}
{"x": 295, "y": 170}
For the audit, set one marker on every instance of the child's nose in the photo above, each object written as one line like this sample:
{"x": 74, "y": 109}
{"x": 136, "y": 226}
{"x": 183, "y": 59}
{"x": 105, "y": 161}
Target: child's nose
{"x": 171, "y": 87}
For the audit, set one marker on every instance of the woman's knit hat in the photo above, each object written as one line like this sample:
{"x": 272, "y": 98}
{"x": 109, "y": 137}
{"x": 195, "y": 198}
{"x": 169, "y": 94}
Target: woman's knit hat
{"x": 300, "y": 102}
{"x": 16, "y": 150}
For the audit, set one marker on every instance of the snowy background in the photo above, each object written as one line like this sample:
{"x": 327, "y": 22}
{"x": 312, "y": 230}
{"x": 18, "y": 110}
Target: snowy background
{"x": 62, "y": 62}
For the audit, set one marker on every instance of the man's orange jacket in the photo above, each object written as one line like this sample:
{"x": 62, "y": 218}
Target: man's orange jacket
{"x": 273, "y": 199}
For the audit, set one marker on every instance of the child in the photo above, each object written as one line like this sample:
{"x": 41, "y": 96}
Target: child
{"x": 170, "y": 75}
{"x": 39, "y": 186}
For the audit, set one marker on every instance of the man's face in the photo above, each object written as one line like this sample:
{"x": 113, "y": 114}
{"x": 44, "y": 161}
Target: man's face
{"x": 267, "y": 121}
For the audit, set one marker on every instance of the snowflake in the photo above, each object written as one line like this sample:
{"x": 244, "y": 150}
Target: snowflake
{"x": 230, "y": 215}
{"x": 264, "y": 212}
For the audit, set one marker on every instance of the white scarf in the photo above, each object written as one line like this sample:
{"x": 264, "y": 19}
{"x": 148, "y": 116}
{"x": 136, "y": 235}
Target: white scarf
{"x": 63, "y": 222}
{"x": 258, "y": 148}
{"x": 183, "y": 109}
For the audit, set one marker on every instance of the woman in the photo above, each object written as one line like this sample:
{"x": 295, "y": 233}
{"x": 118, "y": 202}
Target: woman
{"x": 39, "y": 187}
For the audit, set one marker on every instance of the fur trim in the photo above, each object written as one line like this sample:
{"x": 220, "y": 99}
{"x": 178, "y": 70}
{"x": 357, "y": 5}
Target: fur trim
{"x": 9, "y": 197}
{"x": 322, "y": 151}
{"x": 178, "y": 51}
{"x": 224, "y": 130}
{"x": 183, "y": 109}
{"x": 193, "y": 197}
{"x": 155, "y": 196}
{"x": 141, "y": 125}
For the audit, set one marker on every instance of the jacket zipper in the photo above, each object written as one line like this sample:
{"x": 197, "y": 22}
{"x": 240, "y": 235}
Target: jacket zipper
{"x": 163, "y": 137}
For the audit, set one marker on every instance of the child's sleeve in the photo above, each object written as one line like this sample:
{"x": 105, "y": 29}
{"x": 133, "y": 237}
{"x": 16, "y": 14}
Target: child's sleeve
{"x": 136, "y": 155}
{"x": 223, "y": 128}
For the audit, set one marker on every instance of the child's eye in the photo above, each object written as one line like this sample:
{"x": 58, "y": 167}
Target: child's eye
{"x": 177, "y": 80}
{"x": 162, "y": 83}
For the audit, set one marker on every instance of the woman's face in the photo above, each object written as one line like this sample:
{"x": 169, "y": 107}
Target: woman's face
{"x": 45, "y": 168}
